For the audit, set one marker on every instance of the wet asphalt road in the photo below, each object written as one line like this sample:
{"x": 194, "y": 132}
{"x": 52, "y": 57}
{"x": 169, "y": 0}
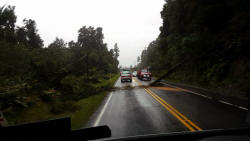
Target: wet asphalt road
{"x": 131, "y": 110}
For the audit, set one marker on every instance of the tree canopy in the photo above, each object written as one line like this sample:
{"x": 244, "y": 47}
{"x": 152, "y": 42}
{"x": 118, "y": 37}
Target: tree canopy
{"x": 72, "y": 69}
{"x": 210, "y": 38}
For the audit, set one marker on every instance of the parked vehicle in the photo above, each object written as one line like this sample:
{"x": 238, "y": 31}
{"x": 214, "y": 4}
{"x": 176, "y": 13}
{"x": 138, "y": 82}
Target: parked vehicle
{"x": 144, "y": 74}
{"x": 126, "y": 76}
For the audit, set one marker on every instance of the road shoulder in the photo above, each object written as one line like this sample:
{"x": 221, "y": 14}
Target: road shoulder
{"x": 233, "y": 101}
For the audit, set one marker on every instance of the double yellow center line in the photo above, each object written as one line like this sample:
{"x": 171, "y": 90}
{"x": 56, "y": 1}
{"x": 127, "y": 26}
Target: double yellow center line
{"x": 183, "y": 119}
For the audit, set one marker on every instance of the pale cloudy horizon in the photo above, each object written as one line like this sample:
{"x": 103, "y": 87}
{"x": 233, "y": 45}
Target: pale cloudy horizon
{"x": 132, "y": 24}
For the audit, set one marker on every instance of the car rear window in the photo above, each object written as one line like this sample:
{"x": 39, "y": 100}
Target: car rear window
{"x": 125, "y": 72}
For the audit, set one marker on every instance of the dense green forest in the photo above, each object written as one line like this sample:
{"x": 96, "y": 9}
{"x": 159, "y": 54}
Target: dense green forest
{"x": 58, "y": 73}
{"x": 209, "y": 42}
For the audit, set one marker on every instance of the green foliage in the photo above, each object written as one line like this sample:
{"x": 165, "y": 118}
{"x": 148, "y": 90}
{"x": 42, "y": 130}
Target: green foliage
{"x": 59, "y": 107}
{"x": 7, "y": 23}
{"x": 209, "y": 38}
{"x": 55, "y": 74}
{"x": 41, "y": 83}
{"x": 79, "y": 110}
{"x": 77, "y": 87}
{"x": 58, "y": 43}
{"x": 50, "y": 95}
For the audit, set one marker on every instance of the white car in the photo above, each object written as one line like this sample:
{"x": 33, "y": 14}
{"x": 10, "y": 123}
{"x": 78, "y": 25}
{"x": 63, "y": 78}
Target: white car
{"x": 134, "y": 73}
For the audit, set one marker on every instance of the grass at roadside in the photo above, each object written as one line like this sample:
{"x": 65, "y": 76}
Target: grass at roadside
{"x": 41, "y": 110}
{"x": 87, "y": 107}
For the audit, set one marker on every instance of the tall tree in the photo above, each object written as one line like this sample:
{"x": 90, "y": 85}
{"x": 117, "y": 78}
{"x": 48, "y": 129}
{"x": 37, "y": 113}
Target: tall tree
{"x": 21, "y": 36}
{"x": 33, "y": 38}
{"x": 7, "y": 23}
{"x": 138, "y": 59}
{"x": 91, "y": 42}
{"x": 116, "y": 50}
{"x": 89, "y": 37}
{"x": 116, "y": 54}
{"x": 58, "y": 43}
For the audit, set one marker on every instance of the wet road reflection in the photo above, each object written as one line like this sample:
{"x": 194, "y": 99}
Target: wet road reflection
{"x": 131, "y": 110}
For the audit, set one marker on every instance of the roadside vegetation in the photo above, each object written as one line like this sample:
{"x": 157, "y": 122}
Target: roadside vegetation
{"x": 40, "y": 82}
{"x": 209, "y": 42}
{"x": 79, "y": 110}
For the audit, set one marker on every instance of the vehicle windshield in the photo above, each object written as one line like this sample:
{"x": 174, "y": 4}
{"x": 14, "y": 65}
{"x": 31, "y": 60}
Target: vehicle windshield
{"x": 144, "y": 70}
{"x": 126, "y": 72}
{"x": 141, "y": 67}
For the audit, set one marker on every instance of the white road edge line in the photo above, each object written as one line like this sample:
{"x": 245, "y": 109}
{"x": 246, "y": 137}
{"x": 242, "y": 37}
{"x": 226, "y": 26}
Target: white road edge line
{"x": 221, "y": 101}
{"x": 97, "y": 121}
{"x": 243, "y": 108}
{"x": 102, "y": 111}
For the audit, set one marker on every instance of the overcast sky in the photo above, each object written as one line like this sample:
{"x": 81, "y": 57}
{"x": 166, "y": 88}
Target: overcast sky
{"x": 133, "y": 24}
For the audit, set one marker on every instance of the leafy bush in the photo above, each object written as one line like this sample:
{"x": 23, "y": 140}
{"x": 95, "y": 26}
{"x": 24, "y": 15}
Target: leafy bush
{"x": 49, "y": 95}
{"x": 14, "y": 96}
{"x": 60, "y": 107}
{"x": 77, "y": 87}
